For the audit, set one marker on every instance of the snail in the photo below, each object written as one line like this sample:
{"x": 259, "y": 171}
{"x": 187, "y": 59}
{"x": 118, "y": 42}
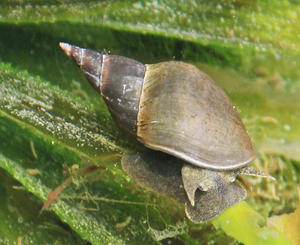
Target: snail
{"x": 198, "y": 142}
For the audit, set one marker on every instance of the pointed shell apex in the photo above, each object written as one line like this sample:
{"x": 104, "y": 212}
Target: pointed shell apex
{"x": 66, "y": 48}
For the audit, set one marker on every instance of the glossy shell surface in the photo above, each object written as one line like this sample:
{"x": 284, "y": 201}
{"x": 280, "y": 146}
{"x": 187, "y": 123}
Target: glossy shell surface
{"x": 184, "y": 113}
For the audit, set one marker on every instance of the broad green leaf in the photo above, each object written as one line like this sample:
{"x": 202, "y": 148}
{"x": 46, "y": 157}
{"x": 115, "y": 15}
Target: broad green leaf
{"x": 94, "y": 229}
{"x": 253, "y": 231}
{"x": 19, "y": 219}
{"x": 249, "y": 23}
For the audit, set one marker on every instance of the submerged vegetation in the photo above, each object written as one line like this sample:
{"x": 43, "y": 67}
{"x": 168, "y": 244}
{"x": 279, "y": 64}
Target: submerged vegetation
{"x": 53, "y": 125}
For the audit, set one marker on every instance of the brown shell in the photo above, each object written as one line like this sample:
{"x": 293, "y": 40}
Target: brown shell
{"x": 184, "y": 113}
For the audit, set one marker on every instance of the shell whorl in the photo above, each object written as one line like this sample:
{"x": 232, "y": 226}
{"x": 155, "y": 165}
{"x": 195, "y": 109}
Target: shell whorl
{"x": 89, "y": 61}
{"x": 119, "y": 79}
{"x": 184, "y": 113}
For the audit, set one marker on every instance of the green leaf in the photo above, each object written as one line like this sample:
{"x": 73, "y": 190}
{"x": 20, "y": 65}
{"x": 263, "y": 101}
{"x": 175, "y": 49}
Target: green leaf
{"x": 19, "y": 219}
{"x": 249, "y": 23}
{"x": 87, "y": 225}
{"x": 253, "y": 232}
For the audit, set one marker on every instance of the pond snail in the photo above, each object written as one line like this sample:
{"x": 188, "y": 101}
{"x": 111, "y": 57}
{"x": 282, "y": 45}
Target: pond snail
{"x": 174, "y": 108}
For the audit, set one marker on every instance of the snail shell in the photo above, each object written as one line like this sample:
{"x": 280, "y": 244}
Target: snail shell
{"x": 171, "y": 106}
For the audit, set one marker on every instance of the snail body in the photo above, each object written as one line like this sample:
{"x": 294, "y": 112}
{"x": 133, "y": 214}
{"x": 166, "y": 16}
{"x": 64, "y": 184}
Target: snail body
{"x": 171, "y": 107}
